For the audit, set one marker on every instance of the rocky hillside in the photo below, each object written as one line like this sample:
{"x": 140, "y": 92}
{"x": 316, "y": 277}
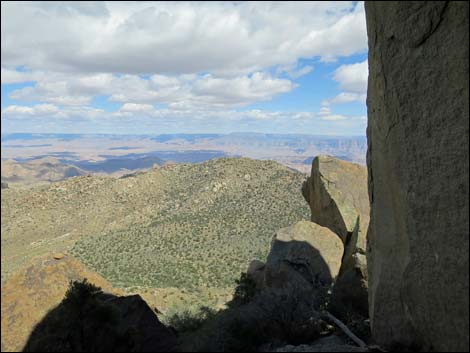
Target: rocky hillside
{"x": 55, "y": 304}
{"x": 36, "y": 289}
{"x": 314, "y": 274}
{"x": 37, "y": 171}
{"x": 182, "y": 226}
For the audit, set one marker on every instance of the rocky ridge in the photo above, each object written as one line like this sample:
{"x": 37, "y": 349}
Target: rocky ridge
{"x": 331, "y": 248}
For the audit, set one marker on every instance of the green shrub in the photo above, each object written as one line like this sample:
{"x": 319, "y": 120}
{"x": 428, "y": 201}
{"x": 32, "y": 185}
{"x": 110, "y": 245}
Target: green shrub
{"x": 189, "y": 321}
{"x": 79, "y": 293}
{"x": 244, "y": 291}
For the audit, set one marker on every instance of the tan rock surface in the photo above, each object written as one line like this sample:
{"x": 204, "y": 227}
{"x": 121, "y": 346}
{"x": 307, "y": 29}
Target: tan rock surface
{"x": 418, "y": 160}
{"x": 338, "y": 197}
{"x": 303, "y": 253}
{"x": 29, "y": 294}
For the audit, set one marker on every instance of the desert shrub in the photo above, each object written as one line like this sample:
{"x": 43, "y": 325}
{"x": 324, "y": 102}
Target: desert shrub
{"x": 189, "y": 320}
{"x": 281, "y": 316}
{"x": 244, "y": 291}
{"x": 79, "y": 292}
{"x": 209, "y": 239}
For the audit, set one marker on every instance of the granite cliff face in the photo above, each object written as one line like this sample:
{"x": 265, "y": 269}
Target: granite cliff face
{"x": 418, "y": 161}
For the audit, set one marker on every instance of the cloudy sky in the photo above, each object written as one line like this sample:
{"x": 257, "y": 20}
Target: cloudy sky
{"x": 168, "y": 67}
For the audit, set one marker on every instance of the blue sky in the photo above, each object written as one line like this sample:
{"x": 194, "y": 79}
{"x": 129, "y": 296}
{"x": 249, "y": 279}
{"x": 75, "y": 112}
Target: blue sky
{"x": 107, "y": 67}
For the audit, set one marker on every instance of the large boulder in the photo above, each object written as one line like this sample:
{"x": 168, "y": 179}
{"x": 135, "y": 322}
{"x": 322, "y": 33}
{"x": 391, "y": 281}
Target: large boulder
{"x": 303, "y": 255}
{"x": 337, "y": 194}
{"x": 418, "y": 160}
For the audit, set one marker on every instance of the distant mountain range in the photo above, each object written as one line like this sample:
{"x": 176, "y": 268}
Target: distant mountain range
{"x": 39, "y": 170}
{"x": 102, "y": 153}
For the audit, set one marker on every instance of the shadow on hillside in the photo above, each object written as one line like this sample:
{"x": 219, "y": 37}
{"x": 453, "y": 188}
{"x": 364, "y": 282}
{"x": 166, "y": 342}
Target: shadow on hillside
{"x": 88, "y": 320}
{"x": 273, "y": 305}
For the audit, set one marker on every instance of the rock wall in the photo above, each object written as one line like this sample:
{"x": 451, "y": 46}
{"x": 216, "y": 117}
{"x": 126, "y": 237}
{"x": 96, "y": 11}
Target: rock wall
{"x": 418, "y": 161}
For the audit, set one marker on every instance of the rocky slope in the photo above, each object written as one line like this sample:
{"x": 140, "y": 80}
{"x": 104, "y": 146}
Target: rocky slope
{"x": 418, "y": 160}
{"x": 55, "y": 304}
{"x": 36, "y": 171}
{"x": 36, "y": 289}
{"x": 204, "y": 221}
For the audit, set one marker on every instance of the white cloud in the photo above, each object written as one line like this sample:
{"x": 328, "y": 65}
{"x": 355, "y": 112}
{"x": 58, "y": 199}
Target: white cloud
{"x": 132, "y": 118}
{"x": 179, "y": 92}
{"x": 15, "y": 110}
{"x": 13, "y": 76}
{"x": 348, "y": 97}
{"x": 36, "y": 110}
{"x": 199, "y": 61}
{"x": 324, "y": 111}
{"x": 353, "y": 77}
{"x": 294, "y": 71}
{"x": 51, "y": 92}
{"x": 334, "y": 117}
{"x": 176, "y": 38}
{"x": 133, "y": 107}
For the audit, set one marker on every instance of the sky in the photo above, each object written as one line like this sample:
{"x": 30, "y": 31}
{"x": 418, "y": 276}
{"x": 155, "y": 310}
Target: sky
{"x": 183, "y": 67}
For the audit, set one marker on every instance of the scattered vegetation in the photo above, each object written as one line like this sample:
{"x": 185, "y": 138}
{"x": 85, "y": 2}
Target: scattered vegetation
{"x": 282, "y": 316}
{"x": 245, "y": 290}
{"x": 212, "y": 219}
{"x": 188, "y": 320}
{"x": 182, "y": 225}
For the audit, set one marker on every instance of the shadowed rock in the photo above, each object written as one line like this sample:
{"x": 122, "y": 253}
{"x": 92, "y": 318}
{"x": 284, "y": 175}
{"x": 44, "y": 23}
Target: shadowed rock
{"x": 30, "y": 293}
{"x": 337, "y": 194}
{"x": 88, "y": 320}
{"x": 302, "y": 255}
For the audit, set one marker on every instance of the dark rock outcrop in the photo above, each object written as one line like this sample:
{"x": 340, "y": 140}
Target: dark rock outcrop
{"x": 101, "y": 323}
{"x": 418, "y": 161}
